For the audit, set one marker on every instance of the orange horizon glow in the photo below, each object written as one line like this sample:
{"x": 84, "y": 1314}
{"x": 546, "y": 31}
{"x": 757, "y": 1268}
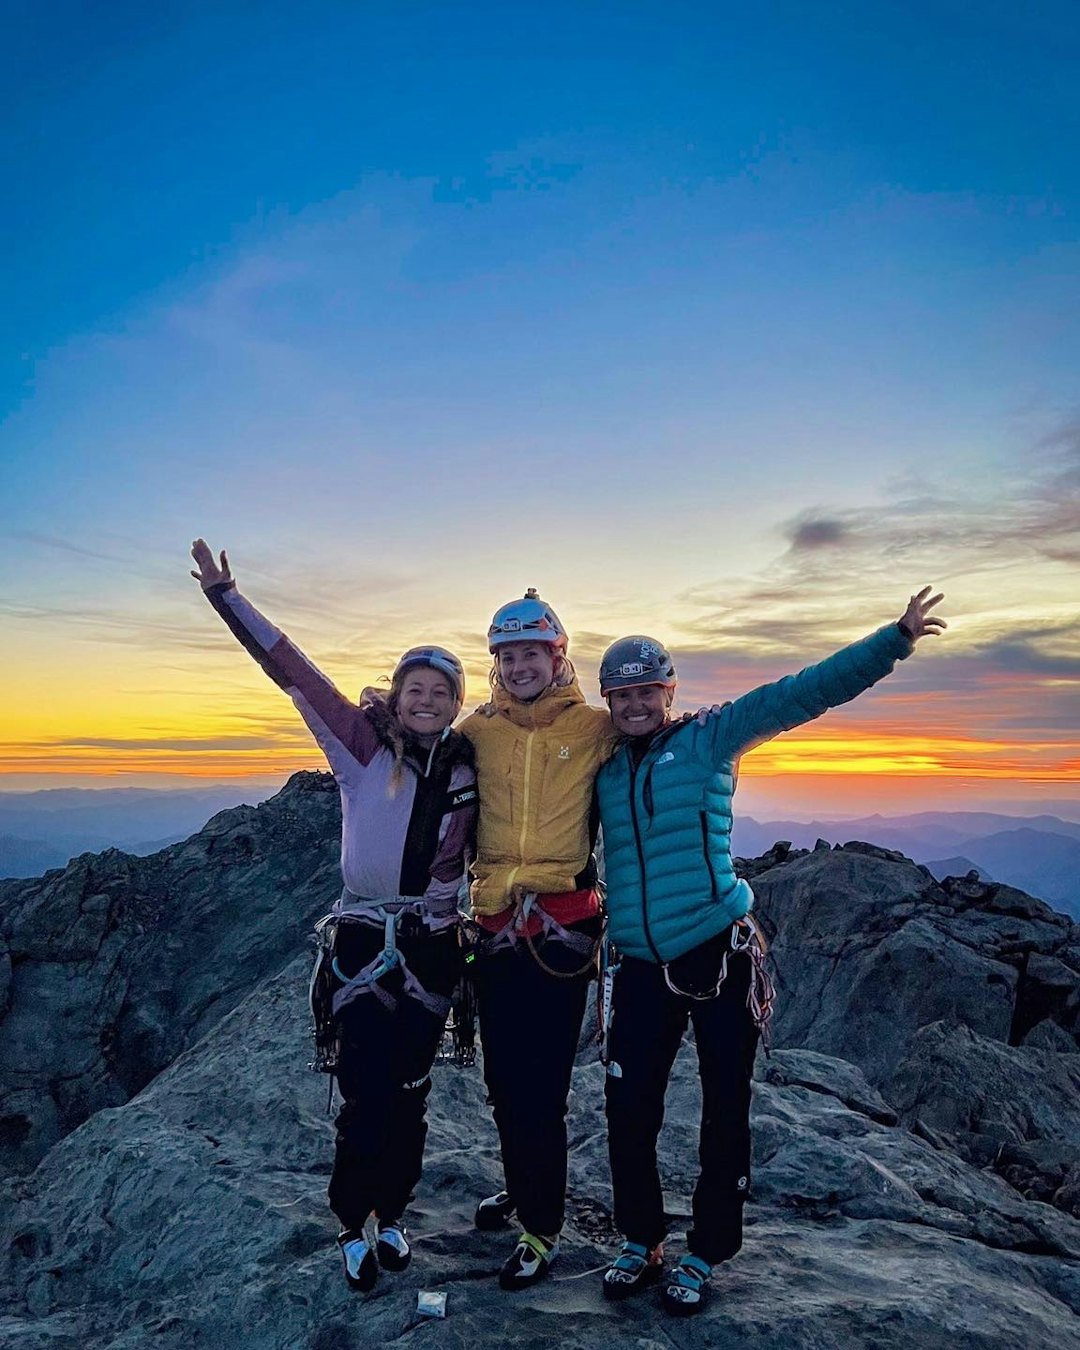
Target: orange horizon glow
{"x": 869, "y": 756}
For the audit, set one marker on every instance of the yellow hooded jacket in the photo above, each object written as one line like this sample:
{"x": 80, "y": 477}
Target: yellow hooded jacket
{"x": 535, "y": 765}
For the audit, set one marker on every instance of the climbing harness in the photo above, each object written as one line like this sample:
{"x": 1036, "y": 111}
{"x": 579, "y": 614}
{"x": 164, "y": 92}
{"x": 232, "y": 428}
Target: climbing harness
{"x": 366, "y": 981}
{"x": 330, "y": 989}
{"x": 746, "y": 937}
{"x": 517, "y": 930}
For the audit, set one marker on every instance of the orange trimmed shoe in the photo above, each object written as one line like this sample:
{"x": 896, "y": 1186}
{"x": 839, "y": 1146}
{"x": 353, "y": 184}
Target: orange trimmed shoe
{"x": 634, "y": 1268}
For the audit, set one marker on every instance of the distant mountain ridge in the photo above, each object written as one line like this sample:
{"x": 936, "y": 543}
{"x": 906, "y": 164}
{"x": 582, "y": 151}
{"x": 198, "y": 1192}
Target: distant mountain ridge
{"x": 40, "y": 830}
{"x": 1037, "y": 854}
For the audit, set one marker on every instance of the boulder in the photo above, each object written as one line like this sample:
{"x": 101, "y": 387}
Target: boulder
{"x": 115, "y": 964}
{"x": 194, "y": 1216}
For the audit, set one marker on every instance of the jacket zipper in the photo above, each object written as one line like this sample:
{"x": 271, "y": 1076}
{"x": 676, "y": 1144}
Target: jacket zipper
{"x": 708, "y": 855}
{"x": 524, "y": 812}
{"x": 641, "y": 857}
{"x": 525, "y": 798}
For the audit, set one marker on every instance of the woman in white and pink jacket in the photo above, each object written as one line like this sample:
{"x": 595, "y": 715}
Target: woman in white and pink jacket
{"x": 408, "y": 818}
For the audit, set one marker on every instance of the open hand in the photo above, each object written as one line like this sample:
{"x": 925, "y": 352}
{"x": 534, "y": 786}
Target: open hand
{"x": 917, "y": 619}
{"x": 210, "y": 573}
{"x": 703, "y": 714}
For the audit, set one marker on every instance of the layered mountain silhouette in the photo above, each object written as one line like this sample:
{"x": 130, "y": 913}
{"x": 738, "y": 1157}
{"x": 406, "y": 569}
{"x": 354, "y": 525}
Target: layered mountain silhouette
{"x": 916, "y": 1178}
{"x": 1038, "y": 854}
{"x": 40, "y": 830}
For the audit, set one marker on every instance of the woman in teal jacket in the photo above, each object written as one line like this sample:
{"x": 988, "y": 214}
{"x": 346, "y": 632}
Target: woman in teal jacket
{"x": 679, "y": 919}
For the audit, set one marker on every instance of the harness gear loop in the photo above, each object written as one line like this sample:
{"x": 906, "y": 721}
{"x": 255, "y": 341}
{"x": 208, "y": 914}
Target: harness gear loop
{"x": 330, "y": 989}
{"x": 367, "y": 980}
{"x": 525, "y": 903}
{"x": 746, "y": 937}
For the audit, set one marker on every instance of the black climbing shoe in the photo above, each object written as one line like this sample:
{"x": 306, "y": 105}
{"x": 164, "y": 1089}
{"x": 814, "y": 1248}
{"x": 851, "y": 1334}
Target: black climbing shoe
{"x": 392, "y": 1246}
{"x": 529, "y": 1261}
{"x": 361, "y": 1267}
{"x": 494, "y": 1212}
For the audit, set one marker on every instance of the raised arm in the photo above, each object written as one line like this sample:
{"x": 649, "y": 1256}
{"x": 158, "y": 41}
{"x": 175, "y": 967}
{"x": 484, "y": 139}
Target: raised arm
{"x": 331, "y": 716}
{"x": 767, "y": 711}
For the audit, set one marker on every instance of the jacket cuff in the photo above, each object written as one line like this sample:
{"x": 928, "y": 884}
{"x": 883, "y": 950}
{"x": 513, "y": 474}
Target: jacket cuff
{"x": 907, "y": 640}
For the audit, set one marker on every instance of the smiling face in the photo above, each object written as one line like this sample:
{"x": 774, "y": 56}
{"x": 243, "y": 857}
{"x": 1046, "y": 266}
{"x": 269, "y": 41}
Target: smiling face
{"x": 426, "y": 705}
{"x": 526, "y": 669}
{"x": 640, "y": 709}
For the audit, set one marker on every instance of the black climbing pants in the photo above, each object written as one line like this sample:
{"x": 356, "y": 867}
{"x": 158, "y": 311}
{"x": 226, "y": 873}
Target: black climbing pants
{"x": 384, "y": 1074}
{"x": 530, "y": 1023}
{"x": 648, "y": 1022}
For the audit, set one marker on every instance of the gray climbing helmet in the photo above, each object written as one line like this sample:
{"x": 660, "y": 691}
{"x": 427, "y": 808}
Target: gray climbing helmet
{"x": 436, "y": 658}
{"x": 636, "y": 660}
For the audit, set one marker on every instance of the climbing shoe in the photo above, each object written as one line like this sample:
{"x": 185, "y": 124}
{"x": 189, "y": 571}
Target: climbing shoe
{"x": 529, "y": 1261}
{"x": 494, "y": 1212}
{"x": 361, "y": 1267}
{"x": 686, "y": 1287}
{"x": 392, "y": 1246}
{"x": 634, "y": 1268}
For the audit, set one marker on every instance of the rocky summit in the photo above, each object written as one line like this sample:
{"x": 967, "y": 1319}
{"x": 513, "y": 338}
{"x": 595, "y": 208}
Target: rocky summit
{"x": 916, "y": 1127}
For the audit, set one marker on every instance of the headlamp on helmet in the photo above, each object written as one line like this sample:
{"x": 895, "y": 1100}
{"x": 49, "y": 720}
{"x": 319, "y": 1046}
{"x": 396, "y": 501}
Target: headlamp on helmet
{"x": 636, "y": 660}
{"x": 527, "y": 620}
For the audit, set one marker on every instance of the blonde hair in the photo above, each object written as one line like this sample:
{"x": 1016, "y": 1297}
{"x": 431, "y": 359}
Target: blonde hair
{"x": 381, "y": 707}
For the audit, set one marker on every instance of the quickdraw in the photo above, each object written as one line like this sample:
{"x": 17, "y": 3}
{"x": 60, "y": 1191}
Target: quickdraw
{"x": 610, "y": 965}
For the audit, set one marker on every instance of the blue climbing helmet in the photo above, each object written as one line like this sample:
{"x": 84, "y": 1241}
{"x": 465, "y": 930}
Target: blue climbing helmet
{"x": 527, "y": 620}
{"x": 436, "y": 658}
{"x": 636, "y": 660}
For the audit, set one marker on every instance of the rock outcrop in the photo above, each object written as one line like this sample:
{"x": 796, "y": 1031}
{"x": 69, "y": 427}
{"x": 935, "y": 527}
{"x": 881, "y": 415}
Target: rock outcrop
{"x": 112, "y": 966}
{"x": 915, "y": 1131}
{"x": 959, "y": 1001}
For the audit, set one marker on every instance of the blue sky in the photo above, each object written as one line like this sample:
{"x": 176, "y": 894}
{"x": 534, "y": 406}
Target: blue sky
{"x": 731, "y": 325}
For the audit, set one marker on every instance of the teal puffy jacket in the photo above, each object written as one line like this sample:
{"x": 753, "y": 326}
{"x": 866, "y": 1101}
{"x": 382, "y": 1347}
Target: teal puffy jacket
{"x": 667, "y": 822}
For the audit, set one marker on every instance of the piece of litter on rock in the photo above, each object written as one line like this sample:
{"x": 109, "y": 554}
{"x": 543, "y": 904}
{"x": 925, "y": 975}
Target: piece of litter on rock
{"x": 430, "y": 1305}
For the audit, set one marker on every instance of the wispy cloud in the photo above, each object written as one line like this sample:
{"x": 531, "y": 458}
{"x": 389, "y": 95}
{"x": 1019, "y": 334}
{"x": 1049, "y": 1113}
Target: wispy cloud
{"x": 62, "y": 545}
{"x": 191, "y": 744}
{"x": 838, "y": 564}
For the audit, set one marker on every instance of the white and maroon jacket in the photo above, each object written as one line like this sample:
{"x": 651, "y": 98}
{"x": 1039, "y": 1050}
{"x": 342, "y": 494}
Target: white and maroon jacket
{"x": 413, "y": 838}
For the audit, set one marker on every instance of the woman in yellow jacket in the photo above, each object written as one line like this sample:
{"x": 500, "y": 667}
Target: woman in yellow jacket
{"x": 538, "y": 748}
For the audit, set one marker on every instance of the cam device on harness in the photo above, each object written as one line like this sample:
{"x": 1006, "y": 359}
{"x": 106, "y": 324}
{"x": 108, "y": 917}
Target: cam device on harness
{"x": 458, "y": 1044}
{"x": 324, "y": 1030}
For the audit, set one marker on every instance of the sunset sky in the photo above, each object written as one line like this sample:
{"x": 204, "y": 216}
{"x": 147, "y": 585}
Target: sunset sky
{"x": 730, "y": 324}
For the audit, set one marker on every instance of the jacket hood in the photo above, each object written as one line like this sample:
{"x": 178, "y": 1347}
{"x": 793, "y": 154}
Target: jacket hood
{"x": 542, "y": 711}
